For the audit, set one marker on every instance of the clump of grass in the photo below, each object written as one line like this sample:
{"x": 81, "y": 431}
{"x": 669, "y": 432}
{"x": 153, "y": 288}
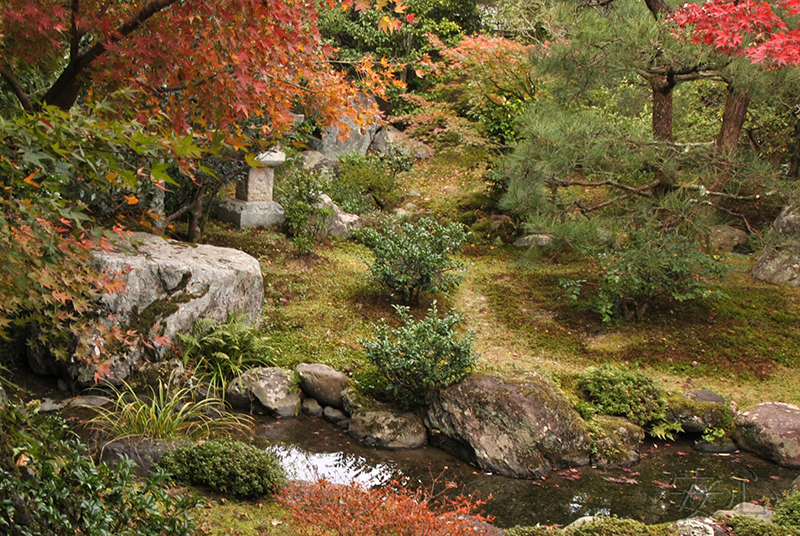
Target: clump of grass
{"x": 166, "y": 414}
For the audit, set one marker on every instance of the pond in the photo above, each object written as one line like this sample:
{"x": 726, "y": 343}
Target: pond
{"x": 671, "y": 482}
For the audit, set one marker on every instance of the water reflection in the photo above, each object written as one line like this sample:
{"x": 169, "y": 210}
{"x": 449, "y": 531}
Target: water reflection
{"x": 671, "y": 482}
{"x": 335, "y": 467}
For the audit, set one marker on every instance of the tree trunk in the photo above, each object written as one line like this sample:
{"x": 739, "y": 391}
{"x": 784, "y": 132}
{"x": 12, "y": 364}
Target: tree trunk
{"x": 794, "y": 166}
{"x": 662, "y": 88}
{"x": 732, "y": 119}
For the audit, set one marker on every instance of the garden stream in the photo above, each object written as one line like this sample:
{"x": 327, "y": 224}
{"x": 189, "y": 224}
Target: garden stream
{"x": 671, "y": 482}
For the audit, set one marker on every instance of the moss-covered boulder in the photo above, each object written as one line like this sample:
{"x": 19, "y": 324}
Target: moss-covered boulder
{"x": 698, "y": 410}
{"x": 515, "y": 426}
{"x": 616, "y": 441}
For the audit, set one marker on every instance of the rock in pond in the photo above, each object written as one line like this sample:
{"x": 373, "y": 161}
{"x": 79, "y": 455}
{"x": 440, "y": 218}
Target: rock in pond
{"x": 770, "y": 430}
{"x": 389, "y": 429}
{"x": 322, "y": 383}
{"x": 617, "y": 442}
{"x": 515, "y": 426}
{"x": 696, "y": 410}
{"x": 270, "y": 387}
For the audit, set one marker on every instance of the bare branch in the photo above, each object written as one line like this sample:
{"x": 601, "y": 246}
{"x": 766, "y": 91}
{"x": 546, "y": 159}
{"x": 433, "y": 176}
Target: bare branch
{"x": 8, "y": 75}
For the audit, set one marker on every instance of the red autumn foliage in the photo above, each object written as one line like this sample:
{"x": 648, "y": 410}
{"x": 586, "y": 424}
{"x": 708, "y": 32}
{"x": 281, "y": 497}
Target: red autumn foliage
{"x": 762, "y": 31}
{"x": 350, "y": 510}
{"x": 199, "y": 63}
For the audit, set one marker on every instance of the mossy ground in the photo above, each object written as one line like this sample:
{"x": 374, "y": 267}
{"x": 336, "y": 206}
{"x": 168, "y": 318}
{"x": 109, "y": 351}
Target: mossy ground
{"x": 743, "y": 345}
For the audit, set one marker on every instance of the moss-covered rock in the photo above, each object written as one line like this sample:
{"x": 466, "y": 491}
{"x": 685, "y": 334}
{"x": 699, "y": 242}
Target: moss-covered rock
{"x": 698, "y": 410}
{"x": 615, "y": 441}
{"x": 516, "y": 426}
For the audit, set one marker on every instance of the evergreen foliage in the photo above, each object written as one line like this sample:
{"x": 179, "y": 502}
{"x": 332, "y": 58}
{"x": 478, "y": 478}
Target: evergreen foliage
{"x": 222, "y": 351}
{"x": 629, "y": 394}
{"x": 50, "y": 487}
{"x": 411, "y": 258}
{"x": 227, "y": 466}
{"x": 419, "y": 357}
{"x": 304, "y": 215}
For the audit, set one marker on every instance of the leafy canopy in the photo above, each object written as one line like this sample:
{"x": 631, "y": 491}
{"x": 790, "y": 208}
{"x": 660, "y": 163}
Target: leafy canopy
{"x": 200, "y": 64}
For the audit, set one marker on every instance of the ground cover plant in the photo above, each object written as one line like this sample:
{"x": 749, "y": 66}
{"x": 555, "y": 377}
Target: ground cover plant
{"x": 49, "y": 486}
{"x": 218, "y": 352}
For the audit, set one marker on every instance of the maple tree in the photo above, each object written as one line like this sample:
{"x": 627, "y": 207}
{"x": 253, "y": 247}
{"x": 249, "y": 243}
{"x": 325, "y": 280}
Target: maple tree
{"x": 201, "y": 64}
{"x": 762, "y": 31}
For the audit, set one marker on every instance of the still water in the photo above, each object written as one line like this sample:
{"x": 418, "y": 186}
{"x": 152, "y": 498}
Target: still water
{"x": 673, "y": 481}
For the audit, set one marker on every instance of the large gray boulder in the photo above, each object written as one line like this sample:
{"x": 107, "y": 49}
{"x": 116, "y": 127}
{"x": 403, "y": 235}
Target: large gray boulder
{"x": 168, "y": 286}
{"x": 780, "y": 264}
{"x": 770, "y": 430}
{"x": 350, "y": 136}
{"x": 515, "y": 426}
{"x": 389, "y": 429}
{"x": 269, "y": 388}
{"x": 322, "y": 383}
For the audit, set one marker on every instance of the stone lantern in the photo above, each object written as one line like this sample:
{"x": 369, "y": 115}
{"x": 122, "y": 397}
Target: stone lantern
{"x": 253, "y": 206}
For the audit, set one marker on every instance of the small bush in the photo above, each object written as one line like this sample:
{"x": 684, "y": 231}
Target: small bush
{"x": 629, "y": 394}
{"x": 49, "y": 487}
{"x": 227, "y": 466}
{"x": 325, "y": 508}
{"x": 304, "y": 215}
{"x": 222, "y": 351}
{"x": 364, "y": 181}
{"x": 787, "y": 511}
{"x": 420, "y": 357}
{"x": 610, "y": 526}
{"x": 411, "y": 258}
{"x": 654, "y": 266}
{"x": 751, "y": 526}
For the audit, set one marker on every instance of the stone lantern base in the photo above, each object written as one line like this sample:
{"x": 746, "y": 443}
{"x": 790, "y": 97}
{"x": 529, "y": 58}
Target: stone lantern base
{"x": 250, "y": 213}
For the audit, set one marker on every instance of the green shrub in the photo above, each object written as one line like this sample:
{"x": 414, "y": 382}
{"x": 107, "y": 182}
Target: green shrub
{"x": 420, "y": 356}
{"x": 364, "y": 181}
{"x": 629, "y": 394}
{"x": 655, "y": 265}
{"x": 49, "y": 487}
{"x": 304, "y": 216}
{"x": 530, "y": 531}
{"x": 222, "y": 351}
{"x": 610, "y": 526}
{"x": 411, "y": 258}
{"x": 787, "y": 511}
{"x": 227, "y": 466}
{"x": 165, "y": 414}
{"x": 751, "y": 526}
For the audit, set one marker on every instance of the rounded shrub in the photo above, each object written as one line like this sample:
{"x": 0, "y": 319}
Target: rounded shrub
{"x": 420, "y": 356}
{"x": 751, "y": 526}
{"x": 628, "y": 393}
{"x": 228, "y": 466}
{"x": 412, "y": 258}
{"x": 787, "y": 511}
{"x": 610, "y": 526}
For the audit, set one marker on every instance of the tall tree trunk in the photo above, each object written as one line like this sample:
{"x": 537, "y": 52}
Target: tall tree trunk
{"x": 662, "y": 107}
{"x": 732, "y": 119}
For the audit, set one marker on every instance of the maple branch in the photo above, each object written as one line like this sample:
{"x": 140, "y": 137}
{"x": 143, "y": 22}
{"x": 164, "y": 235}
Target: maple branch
{"x": 75, "y": 37}
{"x": 64, "y": 91}
{"x": 8, "y": 76}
